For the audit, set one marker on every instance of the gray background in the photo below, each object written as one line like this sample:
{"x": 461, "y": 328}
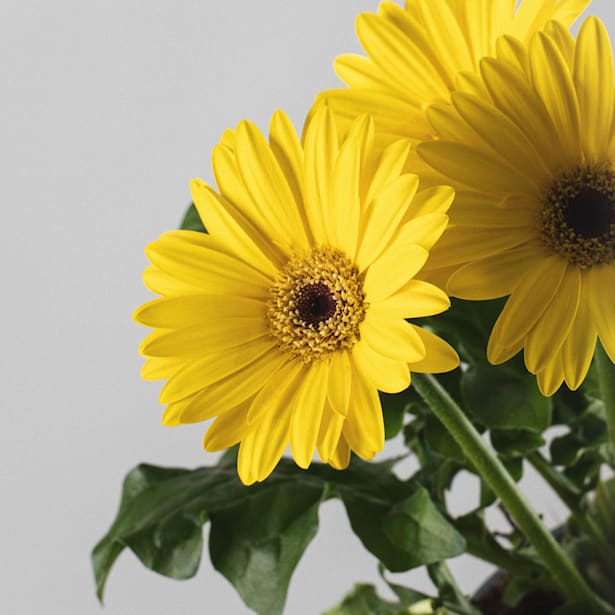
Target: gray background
{"x": 107, "y": 110}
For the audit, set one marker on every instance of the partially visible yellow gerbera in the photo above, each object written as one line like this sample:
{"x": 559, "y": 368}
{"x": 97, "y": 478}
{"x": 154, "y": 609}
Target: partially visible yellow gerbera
{"x": 288, "y": 317}
{"x": 531, "y": 149}
{"x": 417, "y": 56}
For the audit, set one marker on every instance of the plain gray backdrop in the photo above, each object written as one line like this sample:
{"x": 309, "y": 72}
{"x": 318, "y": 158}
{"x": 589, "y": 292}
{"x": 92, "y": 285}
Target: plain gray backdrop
{"x": 108, "y": 109}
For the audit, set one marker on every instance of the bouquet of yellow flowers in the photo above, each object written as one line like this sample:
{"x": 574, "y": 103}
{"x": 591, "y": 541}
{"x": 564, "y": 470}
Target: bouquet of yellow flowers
{"x": 433, "y": 255}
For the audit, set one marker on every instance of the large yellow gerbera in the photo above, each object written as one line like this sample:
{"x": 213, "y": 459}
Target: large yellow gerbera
{"x": 285, "y": 320}
{"x": 532, "y": 151}
{"x": 417, "y": 56}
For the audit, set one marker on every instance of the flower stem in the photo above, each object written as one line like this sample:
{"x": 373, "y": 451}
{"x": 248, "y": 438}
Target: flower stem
{"x": 606, "y": 375}
{"x": 493, "y": 472}
{"x": 571, "y": 497}
{"x": 521, "y": 567}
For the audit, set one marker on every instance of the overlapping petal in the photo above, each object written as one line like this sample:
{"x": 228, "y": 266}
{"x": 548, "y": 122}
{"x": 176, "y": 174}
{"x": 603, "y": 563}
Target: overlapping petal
{"x": 533, "y": 165}
{"x": 287, "y": 318}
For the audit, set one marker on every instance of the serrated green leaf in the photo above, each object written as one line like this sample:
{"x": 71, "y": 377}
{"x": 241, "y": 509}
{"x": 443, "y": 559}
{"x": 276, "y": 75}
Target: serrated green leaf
{"x": 192, "y": 221}
{"x": 505, "y": 398}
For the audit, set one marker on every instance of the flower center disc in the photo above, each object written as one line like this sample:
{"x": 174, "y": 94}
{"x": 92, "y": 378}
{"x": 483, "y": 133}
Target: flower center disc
{"x": 316, "y": 305}
{"x": 578, "y": 217}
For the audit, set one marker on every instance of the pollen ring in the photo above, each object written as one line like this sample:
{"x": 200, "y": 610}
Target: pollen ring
{"x": 578, "y": 216}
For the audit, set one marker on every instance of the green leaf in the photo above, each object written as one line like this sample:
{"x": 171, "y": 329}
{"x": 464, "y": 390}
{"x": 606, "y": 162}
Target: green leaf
{"x": 438, "y": 439}
{"x": 192, "y": 220}
{"x": 482, "y": 543}
{"x": 151, "y": 500}
{"x": 467, "y": 326}
{"x": 449, "y": 594}
{"x": 369, "y": 491}
{"x": 363, "y": 599}
{"x": 417, "y": 526}
{"x": 257, "y": 537}
{"x": 394, "y": 408}
{"x": 505, "y": 398}
{"x": 515, "y": 442}
{"x": 256, "y": 544}
{"x": 605, "y": 507}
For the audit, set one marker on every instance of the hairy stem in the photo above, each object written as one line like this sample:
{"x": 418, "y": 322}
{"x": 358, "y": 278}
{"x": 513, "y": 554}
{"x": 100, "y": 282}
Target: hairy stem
{"x": 606, "y": 374}
{"x": 488, "y": 465}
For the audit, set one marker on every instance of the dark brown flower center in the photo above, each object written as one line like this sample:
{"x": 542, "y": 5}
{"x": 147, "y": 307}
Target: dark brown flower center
{"x": 590, "y": 213}
{"x": 578, "y": 216}
{"x": 315, "y": 303}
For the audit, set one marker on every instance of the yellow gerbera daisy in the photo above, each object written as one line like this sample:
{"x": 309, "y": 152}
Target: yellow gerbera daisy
{"x": 285, "y": 320}
{"x": 417, "y": 56}
{"x": 532, "y": 151}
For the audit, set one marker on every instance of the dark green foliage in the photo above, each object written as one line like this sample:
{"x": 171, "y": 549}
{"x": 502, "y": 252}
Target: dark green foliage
{"x": 192, "y": 221}
{"x": 259, "y": 533}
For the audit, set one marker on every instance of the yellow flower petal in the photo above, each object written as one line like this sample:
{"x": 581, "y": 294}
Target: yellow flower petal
{"x": 230, "y": 226}
{"x": 389, "y": 375}
{"x": 384, "y": 213}
{"x": 500, "y": 132}
{"x": 338, "y": 389}
{"x": 204, "y": 338}
{"x": 593, "y": 72}
{"x": 200, "y": 373}
{"x": 340, "y": 457}
{"x": 183, "y": 311}
{"x": 307, "y": 408}
{"x": 550, "y": 378}
{"x": 470, "y": 167}
{"x": 382, "y": 278}
{"x": 546, "y": 338}
{"x": 345, "y": 200}
{"x": 439, "y": 356}
{"x": 267, "y": 186}
{"x": 330, "y": 432}
{"x": 234, "y": 389}
{"x": 461, "y": 244}
{"x": 227, "y": 430}
{"x": 364, "y": 426}
{"x": 494, "y": 276}
{"x": 526, "y": 306}
{"x": 158, "y": 368}
{"x": 553, "y": 82}
{"x": 413, "y": 300}
{"x": 578, "y": 349}
{"x": 395, "y": 339}
{"x": 321, "y": 150}
{"x": 205, "y": 267}
{"x": 287, "y": 149}
{"x": 602, "y": 303}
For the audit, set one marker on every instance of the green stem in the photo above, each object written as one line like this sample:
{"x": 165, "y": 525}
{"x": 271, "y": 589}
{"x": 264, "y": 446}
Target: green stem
{"x": 441, "y": 575}
{"x": 493, "y": 472}
{"x": 521, "y": 567}
{"x": 606, "y": 374}
{"x": 573, "y": 500}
